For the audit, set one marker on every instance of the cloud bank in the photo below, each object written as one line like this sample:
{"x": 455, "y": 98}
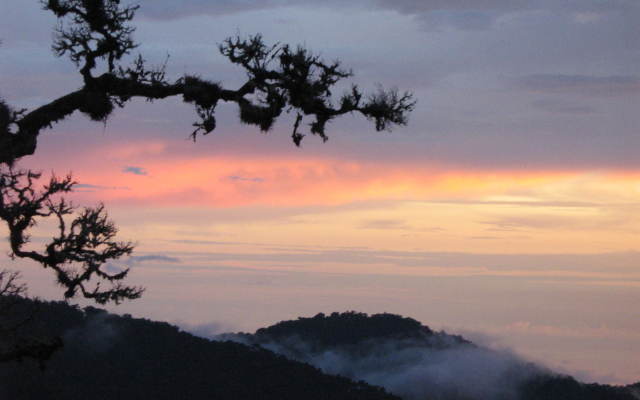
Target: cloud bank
{"x": 413, "y": 370}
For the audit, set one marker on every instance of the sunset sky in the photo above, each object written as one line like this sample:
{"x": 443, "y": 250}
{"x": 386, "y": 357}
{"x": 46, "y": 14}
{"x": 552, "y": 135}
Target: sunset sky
{"x": 508, "y": 210}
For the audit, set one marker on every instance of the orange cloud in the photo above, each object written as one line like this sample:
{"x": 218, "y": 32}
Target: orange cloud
{"x": 272, "y": 182}
{"x": 156, "y": 174}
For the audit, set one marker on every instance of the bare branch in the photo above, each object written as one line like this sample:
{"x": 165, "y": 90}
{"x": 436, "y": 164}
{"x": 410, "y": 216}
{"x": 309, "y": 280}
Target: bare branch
{"x": 278, "y": 78}
{"x": 81, "y": 248}
{"x": 388, "y": 108}
{"x": 9, "y": 286}
{"x": 89, "y": 30}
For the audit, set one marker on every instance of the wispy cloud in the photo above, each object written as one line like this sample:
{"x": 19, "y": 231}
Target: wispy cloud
{"x": 466, "y": 9}
{"x": 562, "y": 107}
{"x": 88, "y": 188}
{"x": 551, "y": 222}
{"x": 526, "y": 327}
{"x": 207, "y": 330}
{"x": 122, "y": 265}
{"x": 213, "y": 242}
{"x": 608, "y": 86}
{"x": 395, "y": 224}
{"x": 384, "y": 224}
{"x": 621, "y": 267}
{"x": 135, "y": 170}
{"x": 135, "y": 260}
{"x": 241, "y": 179}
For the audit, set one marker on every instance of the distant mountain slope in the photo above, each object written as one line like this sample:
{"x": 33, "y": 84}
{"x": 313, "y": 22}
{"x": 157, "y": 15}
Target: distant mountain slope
{"x": 112, "y": 357}
{"x": 555, "y": 387}
{"x": 635, "y": 389}
{"x": 355, "y": 328}
{"x": 416, "y": 363}
{"x": 118, "y": 357}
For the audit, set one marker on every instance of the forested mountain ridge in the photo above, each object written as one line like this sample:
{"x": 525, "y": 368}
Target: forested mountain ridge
{"x": 107, "y": 356}
{"x": 355, "y": 327}
{"x": 417, "y": 363}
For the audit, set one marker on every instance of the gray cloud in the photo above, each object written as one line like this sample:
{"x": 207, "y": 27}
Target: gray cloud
{"x": 135, "y": 170}
{"x": 212, "y": 242}
{"x": 622, "y": 262}
{"x": 554, "y": 222}
{"x": 466, "y": 14}
{"x": 422, "y": 6}
{"x": 471, "y": 20}
{"x": 208, "y": 331}
{"x": 527, "y": 203}
{"x": 239, "y": 178}
{"x": 175, "y": 10}
{"x": 152, "y": 257}
{"x": 171, "y": 10}
{"x": 580, "y": 84}
{"x": 118, "y": 266}
{"x": 384, "y": 224}
{"x": 97, "y": 336}
{"x": 395, "y": 224}
{"x": 462, "y": 14}
{"x": 85, "y": 187}
{"x": 563, "y": 107}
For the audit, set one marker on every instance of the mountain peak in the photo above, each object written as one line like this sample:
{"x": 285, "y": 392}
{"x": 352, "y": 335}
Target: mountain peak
{"x": 351, "y": 327}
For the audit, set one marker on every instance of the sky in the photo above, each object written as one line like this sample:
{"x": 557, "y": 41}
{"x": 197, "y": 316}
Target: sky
{"x": 506, "y": 211}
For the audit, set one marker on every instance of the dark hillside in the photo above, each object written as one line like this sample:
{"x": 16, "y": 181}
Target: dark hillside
{"x": 634, "y": 389}
{"x": 567, "y": 388}
{"x": 354, "y": 329}
{"x": 347, "y": 328}
{"x": 112, "y": 357}
{"x": 416, "y": 363}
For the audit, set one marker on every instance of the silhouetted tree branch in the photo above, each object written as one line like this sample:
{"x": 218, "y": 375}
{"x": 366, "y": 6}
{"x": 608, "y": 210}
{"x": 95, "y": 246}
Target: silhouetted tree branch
{"x": 278, "y": 78}
{"x": 82, "y": 245}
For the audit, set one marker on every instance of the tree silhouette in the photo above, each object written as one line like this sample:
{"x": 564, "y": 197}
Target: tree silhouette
{"x": 81, "y": 247}
{"x": 96, "y": 35}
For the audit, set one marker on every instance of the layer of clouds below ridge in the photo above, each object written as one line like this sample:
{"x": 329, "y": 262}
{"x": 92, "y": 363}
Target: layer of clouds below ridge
{"x": 415, "y": 372}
